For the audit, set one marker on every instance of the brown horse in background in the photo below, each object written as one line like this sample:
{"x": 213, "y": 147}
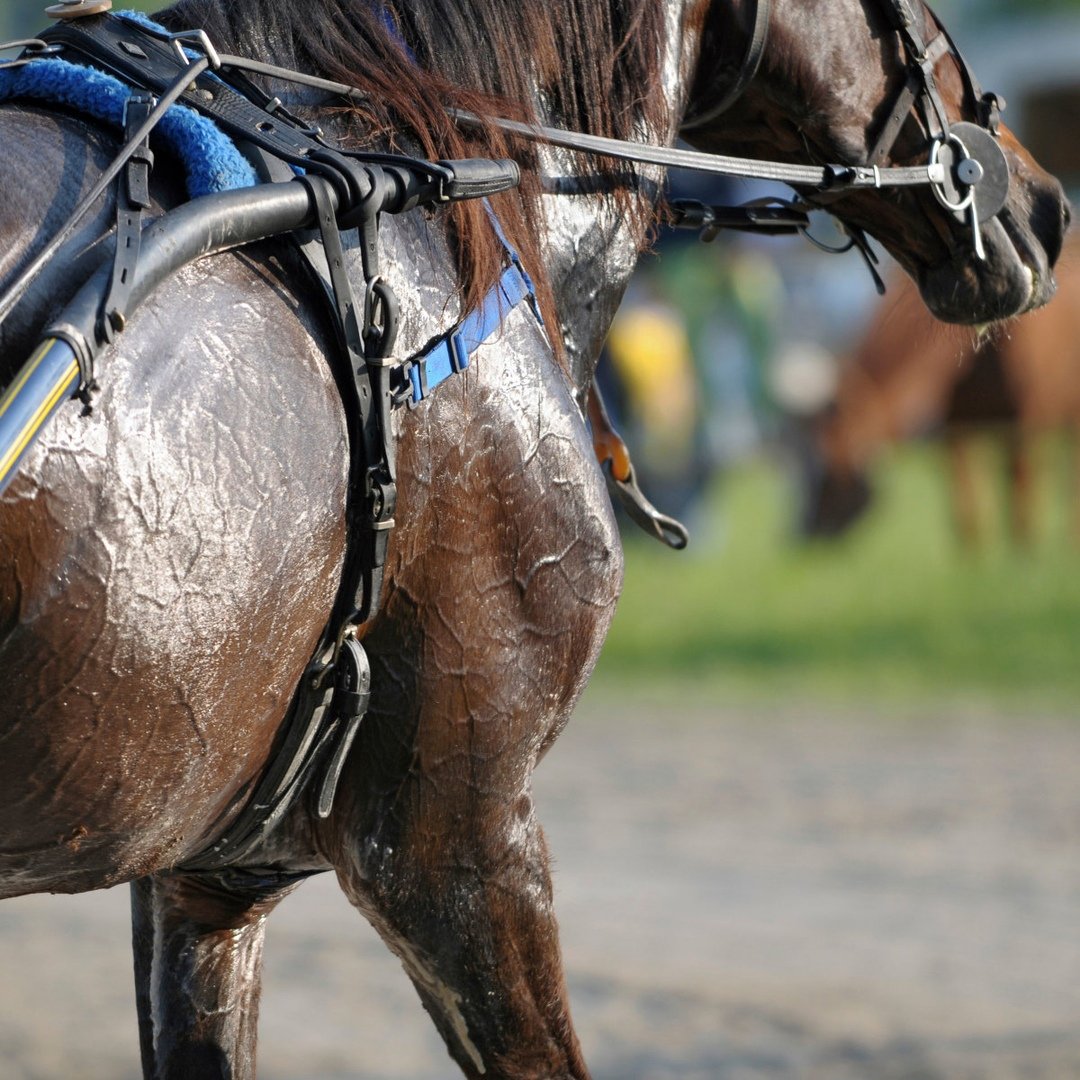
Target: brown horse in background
{"x": 911, "y": 375}
{"x": 168, "y": 563}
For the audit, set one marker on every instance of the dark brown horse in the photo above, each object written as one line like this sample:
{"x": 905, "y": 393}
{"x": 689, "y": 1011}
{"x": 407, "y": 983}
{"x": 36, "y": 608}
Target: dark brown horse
{"x": 910, "y": 375}
{"x": 167, "y": 563}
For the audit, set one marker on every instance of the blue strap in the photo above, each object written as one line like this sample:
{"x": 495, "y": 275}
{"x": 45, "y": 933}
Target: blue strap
{"x": 210, "y": 158}
{"x": 453, "y": 353}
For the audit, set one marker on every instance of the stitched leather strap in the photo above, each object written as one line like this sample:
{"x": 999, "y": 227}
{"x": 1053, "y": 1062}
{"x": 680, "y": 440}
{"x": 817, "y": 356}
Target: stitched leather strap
{"x": 751, "y": 62}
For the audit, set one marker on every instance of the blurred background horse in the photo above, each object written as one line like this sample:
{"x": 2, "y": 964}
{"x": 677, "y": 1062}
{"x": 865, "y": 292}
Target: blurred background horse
{"x": 911, "y": 375}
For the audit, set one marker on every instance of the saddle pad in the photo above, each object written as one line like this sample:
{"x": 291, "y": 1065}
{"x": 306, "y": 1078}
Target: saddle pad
{"x": 210, "y": 158}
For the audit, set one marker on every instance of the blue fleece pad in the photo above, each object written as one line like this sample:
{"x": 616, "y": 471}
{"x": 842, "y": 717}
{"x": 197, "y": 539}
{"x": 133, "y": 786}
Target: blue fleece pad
{"x": 210, "y": 158}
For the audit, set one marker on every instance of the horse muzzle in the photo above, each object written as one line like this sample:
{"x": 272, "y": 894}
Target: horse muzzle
{"x": 1022, "y": 243}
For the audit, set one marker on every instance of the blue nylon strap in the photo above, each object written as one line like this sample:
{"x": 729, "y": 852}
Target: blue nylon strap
{"x": 453, "y": 353}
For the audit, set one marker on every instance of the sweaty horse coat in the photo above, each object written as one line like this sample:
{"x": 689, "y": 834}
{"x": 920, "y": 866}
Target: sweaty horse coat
{"x": 167, "y": 563}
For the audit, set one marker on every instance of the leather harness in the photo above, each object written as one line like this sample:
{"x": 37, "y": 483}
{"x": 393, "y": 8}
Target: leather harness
{"x": 345, "y": 190}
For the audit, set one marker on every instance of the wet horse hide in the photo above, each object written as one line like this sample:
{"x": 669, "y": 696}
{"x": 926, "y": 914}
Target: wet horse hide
{"x": 201, "y": 554}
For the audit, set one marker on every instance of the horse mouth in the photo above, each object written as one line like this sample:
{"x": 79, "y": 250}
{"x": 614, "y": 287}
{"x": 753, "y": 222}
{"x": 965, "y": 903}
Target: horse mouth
{"x": 1016, "y": 277}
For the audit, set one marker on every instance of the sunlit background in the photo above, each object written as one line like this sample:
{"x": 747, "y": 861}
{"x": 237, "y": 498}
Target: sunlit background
{"x": 819, "y": 813}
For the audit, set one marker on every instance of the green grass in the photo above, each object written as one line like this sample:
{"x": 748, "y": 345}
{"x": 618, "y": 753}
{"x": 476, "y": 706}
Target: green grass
{"x": 895, "y": 612}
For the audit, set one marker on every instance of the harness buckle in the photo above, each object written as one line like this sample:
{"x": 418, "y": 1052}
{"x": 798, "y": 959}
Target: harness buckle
{"x": 459, "y": 354}
{"x": 404, "y": 392}
{"x": 197, "y": 40}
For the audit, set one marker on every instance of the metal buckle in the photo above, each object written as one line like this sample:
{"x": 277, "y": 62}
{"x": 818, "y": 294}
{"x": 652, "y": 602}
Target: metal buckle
{"x": 403, "y": 393}
{"x": 199, "y": 41}
{"x": 34, "y": 46}
{"x": 276, "y": 107}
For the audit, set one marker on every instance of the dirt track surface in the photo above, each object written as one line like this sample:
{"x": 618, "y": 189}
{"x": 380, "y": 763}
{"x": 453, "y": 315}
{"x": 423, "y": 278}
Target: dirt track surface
{"x": 743, "y": 895}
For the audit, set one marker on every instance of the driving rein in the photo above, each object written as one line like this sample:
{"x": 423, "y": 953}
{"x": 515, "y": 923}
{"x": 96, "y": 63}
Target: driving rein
{"x": 312, "y": 190}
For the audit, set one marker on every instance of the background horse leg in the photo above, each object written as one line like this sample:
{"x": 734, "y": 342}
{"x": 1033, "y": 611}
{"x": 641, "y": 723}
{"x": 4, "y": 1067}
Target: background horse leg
{"x": 965, "y": 502}
{"x": 1021, "y": 486}
{"x": 1072, "y": 441}
{"x": 198, "y": 945}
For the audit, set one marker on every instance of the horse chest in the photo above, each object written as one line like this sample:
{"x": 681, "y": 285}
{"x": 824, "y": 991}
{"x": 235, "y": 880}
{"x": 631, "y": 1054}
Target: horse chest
{"x": 499, "y": 490}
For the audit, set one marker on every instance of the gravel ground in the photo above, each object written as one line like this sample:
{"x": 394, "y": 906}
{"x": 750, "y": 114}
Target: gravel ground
{"x": 743, "y": 895}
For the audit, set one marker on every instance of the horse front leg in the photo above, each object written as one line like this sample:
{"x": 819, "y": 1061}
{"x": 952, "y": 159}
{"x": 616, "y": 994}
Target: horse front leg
{"x": 477, "y": 936}
{"x": 198, "y": 943}
{"x": 458, "y": 885}
{"x": 493, "y": 618}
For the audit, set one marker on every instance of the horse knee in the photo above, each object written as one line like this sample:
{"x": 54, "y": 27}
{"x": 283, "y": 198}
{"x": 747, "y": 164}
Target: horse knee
{"x": 198, "y": 957}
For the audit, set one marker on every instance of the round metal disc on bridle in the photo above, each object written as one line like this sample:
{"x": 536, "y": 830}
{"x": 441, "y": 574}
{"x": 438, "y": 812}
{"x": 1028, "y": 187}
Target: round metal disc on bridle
{"x": 76, "y": 9}
{"x": 992, "y": 190}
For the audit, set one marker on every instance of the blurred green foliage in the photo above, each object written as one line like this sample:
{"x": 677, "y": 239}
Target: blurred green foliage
{"x": 895, "y": 612}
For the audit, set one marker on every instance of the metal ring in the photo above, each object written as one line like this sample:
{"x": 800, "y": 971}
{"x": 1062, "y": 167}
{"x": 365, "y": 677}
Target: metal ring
{"x": 828, "y": 248}
{"x": 938, "y": 188}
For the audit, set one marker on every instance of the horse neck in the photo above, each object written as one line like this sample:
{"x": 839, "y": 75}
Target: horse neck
{"x": 588, "y": 244}
{"x": 593, "y": 241}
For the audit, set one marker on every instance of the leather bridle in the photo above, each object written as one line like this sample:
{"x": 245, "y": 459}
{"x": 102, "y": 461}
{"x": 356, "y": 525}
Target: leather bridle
{"x": 976, "y": 181}
{"x": 755, "y": 51}
{"x": 967, "y": 169}
{"x": 971, "y": 152}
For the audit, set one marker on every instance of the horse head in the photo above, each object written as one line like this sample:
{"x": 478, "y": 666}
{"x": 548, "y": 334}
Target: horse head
{"x": 841, "y": 82}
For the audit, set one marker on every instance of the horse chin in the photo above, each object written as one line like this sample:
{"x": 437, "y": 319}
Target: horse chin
{"x": 1014, "y": 278}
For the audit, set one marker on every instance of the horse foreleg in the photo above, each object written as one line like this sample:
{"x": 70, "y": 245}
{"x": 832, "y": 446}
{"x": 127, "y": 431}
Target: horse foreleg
{"x": 468, "y": 911}
{"x": 1021, "y": 486}
{"x": 1072, "y": 436}
{"x": 198, "y": 945}
{"x": 965, "y": 503}
{"x": 500, "y": 588}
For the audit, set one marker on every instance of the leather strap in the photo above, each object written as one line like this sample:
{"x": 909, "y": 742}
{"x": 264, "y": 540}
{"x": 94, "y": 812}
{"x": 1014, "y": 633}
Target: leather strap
{"x": 755, "y": 50}
{"x": 135, "y": 55}
{"x": 904, "y": 103}
{"x": 132, "y": 198}
{"x": 453, "y": 352}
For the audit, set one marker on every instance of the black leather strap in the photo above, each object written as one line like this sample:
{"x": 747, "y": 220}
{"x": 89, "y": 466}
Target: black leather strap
{"x": 132, "y": 198}
{"x": 137, "y": 57}
{"x": 905, "y": 101}
{"x": 755, "y": 50}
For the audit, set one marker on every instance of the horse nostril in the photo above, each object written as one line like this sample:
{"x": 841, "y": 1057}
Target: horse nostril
{"x": 1050, "y": 219}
